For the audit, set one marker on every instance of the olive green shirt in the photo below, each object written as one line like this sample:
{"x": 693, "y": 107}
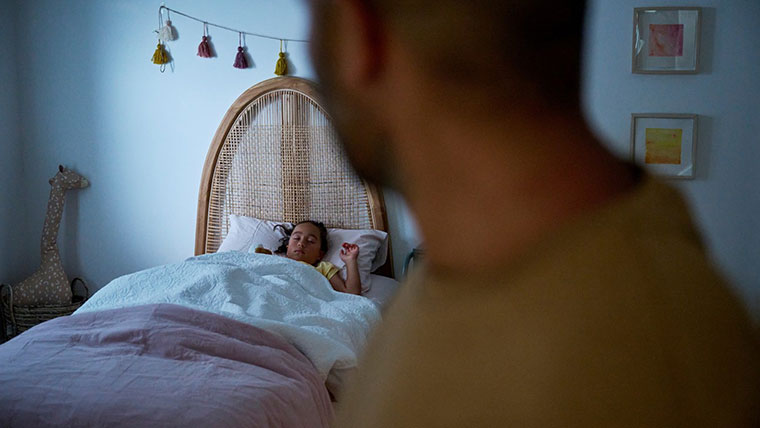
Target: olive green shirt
{"x": 616, "y": 319}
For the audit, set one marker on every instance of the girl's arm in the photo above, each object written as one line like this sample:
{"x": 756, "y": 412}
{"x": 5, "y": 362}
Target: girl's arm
{"x": 349, "y": 253}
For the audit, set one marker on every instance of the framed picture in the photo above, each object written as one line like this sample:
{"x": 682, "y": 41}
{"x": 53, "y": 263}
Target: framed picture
{"x": 666, "y": 40}
{"x": 665, "y": 144}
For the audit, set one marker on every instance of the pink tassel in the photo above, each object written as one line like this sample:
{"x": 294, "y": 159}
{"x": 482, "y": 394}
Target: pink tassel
{"x": 204, "y": 50}
{"x": 240, "y": 61}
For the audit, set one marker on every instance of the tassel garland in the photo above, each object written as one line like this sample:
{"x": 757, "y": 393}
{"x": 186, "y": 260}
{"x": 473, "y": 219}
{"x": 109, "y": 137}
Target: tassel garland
{"x": 282, "y": 64}
{"x": 167, "y": 33}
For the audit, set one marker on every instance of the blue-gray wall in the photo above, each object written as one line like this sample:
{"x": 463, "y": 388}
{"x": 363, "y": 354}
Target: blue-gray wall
{"x": 726, "y": 95}
{"x": 12, "y": 208}
{"x": 80, "y": 90}
{"x": 90, "y": 98}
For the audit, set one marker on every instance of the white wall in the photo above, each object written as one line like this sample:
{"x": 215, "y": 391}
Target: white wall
{"x": 92, "y": 100}
{"x": 11, "y": 191}
{"x": 726, "y": 96}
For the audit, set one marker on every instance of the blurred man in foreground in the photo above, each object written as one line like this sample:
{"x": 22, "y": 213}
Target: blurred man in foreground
{"x": 562, "y": 287}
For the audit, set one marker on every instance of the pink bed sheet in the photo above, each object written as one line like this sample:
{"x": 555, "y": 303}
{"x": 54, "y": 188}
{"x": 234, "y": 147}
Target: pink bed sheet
{"x": 157, "y": 365}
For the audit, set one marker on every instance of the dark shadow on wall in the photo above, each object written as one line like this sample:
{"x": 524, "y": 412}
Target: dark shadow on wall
{"x": 704, "y": 147}
{"x": 707, "y": 40}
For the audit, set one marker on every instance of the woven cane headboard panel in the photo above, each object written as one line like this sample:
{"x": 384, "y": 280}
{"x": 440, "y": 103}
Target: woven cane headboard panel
{"x": 276, "y": 156}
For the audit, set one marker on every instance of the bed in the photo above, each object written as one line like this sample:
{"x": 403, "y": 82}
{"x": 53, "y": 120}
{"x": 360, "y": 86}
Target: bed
{"x": 229, "y": 337}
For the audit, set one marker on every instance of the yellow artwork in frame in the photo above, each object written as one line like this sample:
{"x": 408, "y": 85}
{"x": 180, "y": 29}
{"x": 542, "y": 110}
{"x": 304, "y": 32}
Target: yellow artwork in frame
{"x": 665, "y": 143}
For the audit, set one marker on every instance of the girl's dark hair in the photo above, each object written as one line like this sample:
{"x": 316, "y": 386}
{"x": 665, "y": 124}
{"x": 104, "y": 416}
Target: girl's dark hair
{"x": 287, "y": 231}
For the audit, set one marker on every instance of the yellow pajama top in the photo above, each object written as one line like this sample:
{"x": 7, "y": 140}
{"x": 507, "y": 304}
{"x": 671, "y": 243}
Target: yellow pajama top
{"x": 326, "y": 268}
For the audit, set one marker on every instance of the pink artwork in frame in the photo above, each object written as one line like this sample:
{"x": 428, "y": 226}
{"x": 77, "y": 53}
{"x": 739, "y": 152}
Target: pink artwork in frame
{"x": 666, "y": 40}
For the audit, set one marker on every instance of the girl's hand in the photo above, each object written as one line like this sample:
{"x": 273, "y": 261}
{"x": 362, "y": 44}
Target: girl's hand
{"x": 349, "y": 252}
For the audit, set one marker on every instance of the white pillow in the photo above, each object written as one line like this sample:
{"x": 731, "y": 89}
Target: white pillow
{"x": 244, "y": 230}
{"x": 247, "y": 233}
{"x": 383, "y": 290}
{"x": 373, "y": 250}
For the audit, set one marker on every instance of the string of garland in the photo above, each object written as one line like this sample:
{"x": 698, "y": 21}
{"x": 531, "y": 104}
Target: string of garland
{"x": 167, "y": 32}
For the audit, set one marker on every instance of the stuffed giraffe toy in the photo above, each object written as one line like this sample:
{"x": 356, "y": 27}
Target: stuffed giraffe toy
{"x": 49, "y": 284}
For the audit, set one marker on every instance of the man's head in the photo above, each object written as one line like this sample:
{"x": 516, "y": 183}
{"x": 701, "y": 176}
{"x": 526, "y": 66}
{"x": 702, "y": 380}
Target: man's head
{"x": 478, "y": 57}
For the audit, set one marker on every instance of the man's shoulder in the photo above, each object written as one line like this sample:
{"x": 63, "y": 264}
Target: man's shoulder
{"x": 621, "y": 309}
{"x": 635, "y": 264}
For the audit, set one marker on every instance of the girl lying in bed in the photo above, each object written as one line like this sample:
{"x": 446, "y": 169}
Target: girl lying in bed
{"x": 306, "y": 242}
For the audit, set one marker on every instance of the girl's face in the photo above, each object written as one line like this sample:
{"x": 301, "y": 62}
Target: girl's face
{"x": 305, "y": 244}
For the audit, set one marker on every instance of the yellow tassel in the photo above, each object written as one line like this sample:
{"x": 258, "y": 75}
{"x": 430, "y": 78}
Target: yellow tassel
{"x": 282, "y": 65}
{"x": 160, "y": 56}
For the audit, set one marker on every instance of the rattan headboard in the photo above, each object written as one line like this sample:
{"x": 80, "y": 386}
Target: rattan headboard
{"x": 276, "y": 156}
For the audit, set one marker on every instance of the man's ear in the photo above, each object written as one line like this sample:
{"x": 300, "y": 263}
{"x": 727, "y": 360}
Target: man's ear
{"x": 363, "y": 39}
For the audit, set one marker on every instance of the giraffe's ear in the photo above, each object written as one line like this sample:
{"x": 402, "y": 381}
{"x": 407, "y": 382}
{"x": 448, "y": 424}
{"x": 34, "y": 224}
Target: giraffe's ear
{"x": 50, "y": 181}
{"x": 60, "y": 168}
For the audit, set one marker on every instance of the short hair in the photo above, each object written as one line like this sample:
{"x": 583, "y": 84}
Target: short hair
{"x": 484, "y": 45}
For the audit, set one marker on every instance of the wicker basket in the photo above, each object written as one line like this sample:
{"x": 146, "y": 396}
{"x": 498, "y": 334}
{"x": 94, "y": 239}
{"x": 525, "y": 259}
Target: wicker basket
{"x": 21, "y": 318}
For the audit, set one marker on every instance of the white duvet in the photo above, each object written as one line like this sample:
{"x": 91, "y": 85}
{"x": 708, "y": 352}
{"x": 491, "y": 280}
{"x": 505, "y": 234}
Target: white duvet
{"x": 274, "y": 293}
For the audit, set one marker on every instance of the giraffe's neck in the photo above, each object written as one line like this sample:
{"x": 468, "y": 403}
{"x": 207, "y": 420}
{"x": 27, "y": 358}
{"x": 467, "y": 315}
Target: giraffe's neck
{"x": 52, "y": 222}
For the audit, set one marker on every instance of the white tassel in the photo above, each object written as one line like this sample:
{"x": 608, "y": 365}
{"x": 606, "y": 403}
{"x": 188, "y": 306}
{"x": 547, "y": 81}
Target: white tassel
{"x": 167, "y": 32}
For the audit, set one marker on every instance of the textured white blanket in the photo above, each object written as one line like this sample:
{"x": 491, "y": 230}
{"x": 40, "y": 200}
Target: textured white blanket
{"x": 274, "y": 293}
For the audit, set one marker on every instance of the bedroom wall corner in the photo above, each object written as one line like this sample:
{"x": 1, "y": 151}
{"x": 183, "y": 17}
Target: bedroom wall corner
{"x": 403, "y": 230}
{"x": 12, "y": 215}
